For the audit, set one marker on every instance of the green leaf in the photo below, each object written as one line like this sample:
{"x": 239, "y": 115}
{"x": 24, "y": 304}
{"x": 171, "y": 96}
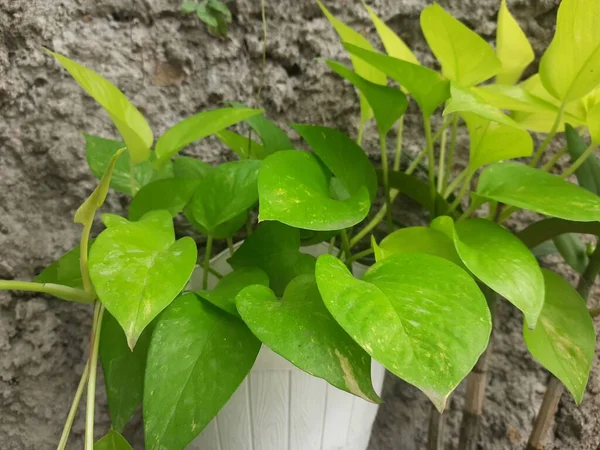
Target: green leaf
{"x": 189, "y": 7}
{"x": 361, "y": 67}
{"x": 569, "y": 67}
{"x": 299, "y": 328}
{"x": 464, "y": 55}
{"x": 565, "y": 338}
{"x": 421, "y": 316}
{"x": 466, "y": 100}
{"x": 242, "y": 146}
{"x": 129, "y": 121}
{"x": 137, "y": 269}
{"x": 525, "y": 187}
{"x": 171, "y": 194}
{"x": 588, "y": 174}
{"x": 343, "y": 156}
{"x": 492, "y": 142}
{"x": 294, "y": 188}
{"x": 428, "y": 88}
{"x": 198, "y": 357}
{"x": 198, "y": 127}
{"x": 123, "y": 370}
{"x": 225, "y": 194}
{"x": 418, "y": 240}
{"x": 503, "y": 262}
{"x": 112, "y": 441}
{"x": 418, "y": 190}
{"x": 221, "y": 8}
{"x": 64, "y": 271}
{"x": 514, "y": 98}
{"x": 572, "y": 250}
{"x": 593, "y": 123}
{"x": 387, "y": 103}
{"x": 224, "y": 294}
{"x": 512, "y": 47}
{"x": 206, "y": 16}
{"x": 274, "y": 248}
{"x": 190, "y": 168}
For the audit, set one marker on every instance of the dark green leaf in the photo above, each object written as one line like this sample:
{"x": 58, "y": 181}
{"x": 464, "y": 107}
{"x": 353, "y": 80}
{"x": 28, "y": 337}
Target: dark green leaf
{"x": 242, "y": 146}
{"x": 221, "y": 8}
{"x": 588, "y": 174}
{"x": 190, "y": 168}
{"x": 572, "y": 250}
{"x": 112, "y": 441}
{"x": 64, "y": 271}
{"x": 171, "y": 194}
{"x": 416, "y": 189}
{"x": 206, "y": 16}
{"x": 189, "y": 7}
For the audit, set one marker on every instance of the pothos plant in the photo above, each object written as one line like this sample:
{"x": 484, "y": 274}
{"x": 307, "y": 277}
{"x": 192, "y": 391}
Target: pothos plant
{"x": 425, "y": 307}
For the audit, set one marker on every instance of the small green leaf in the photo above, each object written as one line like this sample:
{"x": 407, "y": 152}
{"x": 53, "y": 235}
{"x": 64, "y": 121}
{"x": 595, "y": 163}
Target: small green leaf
{"x": 387, "y": 103}
{"x": 569, "y": 67}
{"x": 137, "y": 269}
{"x": 588, "y": 174}
{"x": 572, "y": 250}
{"x": 274, "y": 248}
{"x": 206, "y": 16}
{"x": 198, "y": 355}
{"x": 225, "y": 194}
{"x": 190, "y": 168}
{"x": 189, "y": 7}
{"x": 428, "y": 88}
{"x": 294, "y": 188}
{"x": 221, "y": 8}
{"x": 129, "y": 121}
{"x": 421, "y": 316}
{"x": 123, "y": 370}
{"x": 242, "y": 146}
{"x": 503, "y": 262}
{"x": 512, "y": 47}
{"x": 171, "y": 194}
{"x": 65, "y": 271}
{"x": 466, "y": 100}
{"x": 564, "y": 339}
{"x": 464, "y": 55}
{"x": 525, "y": 187}
{"x": 198, "y": 127}
{"x": 224, "y": 294}
{"x": 299, "y": 328}
{"x": 112, "y": 441}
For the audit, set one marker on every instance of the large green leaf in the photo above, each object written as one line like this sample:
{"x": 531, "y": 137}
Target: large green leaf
{"x": 299, "y": 328}
{"x": 138, "y": 269}
{"x": 525, "y": 187}
{"x": 428, "y": 88}
{"x": 198, "y": 357}
{"x": 123, "y": 370}
{"x": 198, "y": 127}
{"x": 387, "y": 103}
{"x": 421, "y": 316}
{"x": 569, "y": 67}
{"x": 512, "y": 47}
{"x": 464, "y": 55}
{"x": 224, "y": 195}
{"x": 243, "y": 146}
{"x": 64, "y": 271}
{"x": 465, "y": 100}
{"x": 564, "y": 339}
{"x": 361, "y": 67}
{"x": 190, "y": 168}
{"x": 294, "y": 188}
{"x": 343, "y": 156}
{"x": 112, "y": 441}
{"x": 171, "y": 194}
{"x": 224, "y": 294}
{"x": 503, "y": 262}
{"x": 493, "y": 142}
{"x": 274, "y": 248}
{"x": 588, "y": 174}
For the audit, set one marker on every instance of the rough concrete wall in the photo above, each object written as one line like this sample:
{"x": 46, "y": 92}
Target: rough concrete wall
{"x": 171, "y": 67}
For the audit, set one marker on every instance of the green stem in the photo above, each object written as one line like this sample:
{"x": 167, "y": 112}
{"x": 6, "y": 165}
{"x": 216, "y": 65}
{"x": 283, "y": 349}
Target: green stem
{"x": 586, "y": 281}
{"x": 469, "y": 211}
{"x": 64, "y": 437}
{"x": 413, "y": 166}
{"x": 441, "y": 167}
{"x": 361, "y": 132}
{"x": 451, "y": 152}
{"x": 463, "y": 190}
{"x": 230, "y": 246}
{"x": 544, "y": 145}
{"x": 57, "y": 290}
{"x": 83, "y": 257}
{"x": 331, "y": 245}
{"x": 207, "y": 254}
{"x": 431, "y": 157}
{"x": 386, "y": 181}
{"x": 360, "y": 255}
{"x": 550, "y": 164}
{"x": 455, "y": 183}
{"x": 579, "y": 161}
{"x": 346, "y": 246}
{"x": 91, "y": 385}
{"x": 132, "y": 178}
{"x": 398, "y": 154}
{"x": 217, "y": 274}
{"x": 374, "y": 221}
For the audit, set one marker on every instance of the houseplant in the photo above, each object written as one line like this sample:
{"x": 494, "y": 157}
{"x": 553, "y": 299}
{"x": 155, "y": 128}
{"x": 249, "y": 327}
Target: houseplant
{"x": 423, "y": 310}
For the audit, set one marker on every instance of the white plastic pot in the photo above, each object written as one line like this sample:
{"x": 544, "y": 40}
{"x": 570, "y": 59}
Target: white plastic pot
{"x": 280, "y": 407}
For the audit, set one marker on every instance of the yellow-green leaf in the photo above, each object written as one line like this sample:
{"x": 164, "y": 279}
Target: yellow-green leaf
{"x": 512, "y": 47}
{"x": 129, "y": 121}
{"x": 466, "y": 100}
{"x": 465, "y": 56}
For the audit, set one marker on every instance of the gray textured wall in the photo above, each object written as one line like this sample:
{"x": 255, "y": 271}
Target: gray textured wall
{"x": 170, "y": 67}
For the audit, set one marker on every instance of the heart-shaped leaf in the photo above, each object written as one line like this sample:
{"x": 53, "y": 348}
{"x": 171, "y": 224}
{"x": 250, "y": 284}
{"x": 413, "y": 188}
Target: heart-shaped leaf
{"x": 464, "y": 55}
{"x": 223, "y": 197}
{"x": 428, "y": 88}
{"x": 294, "y": 188}
{"x": 564, "y": 340}
{"x": 421, "y": 316}
{"x": 274, "y": 248}
{"x": 123, "y": 370}
{"x": 138, "y": 269}
{"x": 64, "y": 271}
{"x": 171, "y": 194}
{"x": 198, "y": 127}
{"x": 502, "y": 262}
{"x": 512, "y": 47}
{"x": 198, "y": 356}
{"x": 588, "y": 174}
{"x": 465, "y": 100}
{"x": 129, "y": 121}
{"x": 243, "y": 146}
{"x": 299, "y": 328}
{"x": 190, "y": 168}
{"x": 112, "y": 441}
{"x": 525, "y": 187}
{"x": 224, "y": 294}
{"x": 387, "y": 103}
